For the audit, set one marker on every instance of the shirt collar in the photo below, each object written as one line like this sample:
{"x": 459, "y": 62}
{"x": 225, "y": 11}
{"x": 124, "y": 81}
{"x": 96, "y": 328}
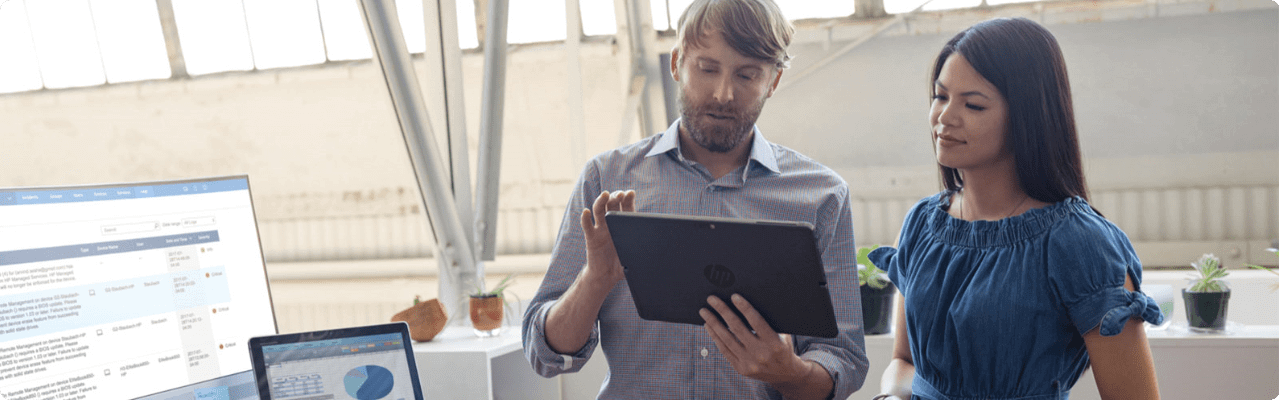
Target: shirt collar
{"x": 761, "y": 149}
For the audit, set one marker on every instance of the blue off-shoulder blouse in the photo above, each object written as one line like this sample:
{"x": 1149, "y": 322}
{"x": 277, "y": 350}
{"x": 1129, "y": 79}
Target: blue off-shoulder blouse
{"x": 998, "y": 309}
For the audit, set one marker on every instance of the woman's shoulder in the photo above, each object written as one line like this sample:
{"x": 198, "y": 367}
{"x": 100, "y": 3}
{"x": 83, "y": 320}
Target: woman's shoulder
{"x": 1078, "y": 223}
{"x": 1082, "y": 239}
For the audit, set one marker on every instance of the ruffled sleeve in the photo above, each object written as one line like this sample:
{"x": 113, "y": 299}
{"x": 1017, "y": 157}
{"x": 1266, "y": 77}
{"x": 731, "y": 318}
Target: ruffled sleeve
{"x": 1088, "y": 260}
{"x": 893, "y": 260}
{"x": 886, "y": 259}
{"x": 1126, "y": 305}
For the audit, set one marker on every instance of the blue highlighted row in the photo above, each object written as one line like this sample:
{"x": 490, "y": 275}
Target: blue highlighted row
{"x": 19, "y": 197}
{"x": 102, "y": 248}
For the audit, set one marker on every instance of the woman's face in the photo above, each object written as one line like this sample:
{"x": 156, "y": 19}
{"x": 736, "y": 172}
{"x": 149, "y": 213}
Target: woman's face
{"x": 969, "y": 117}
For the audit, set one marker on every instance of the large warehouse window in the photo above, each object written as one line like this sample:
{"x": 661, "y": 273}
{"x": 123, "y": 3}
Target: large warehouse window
{"x": 214, "y": 36}
{"x": 130, "y": 39}
{"x": 19, "y": 69}
{"x": 69, "y": 43}
{"x": 284, "y": 33}
{"x": 66, "y": 46}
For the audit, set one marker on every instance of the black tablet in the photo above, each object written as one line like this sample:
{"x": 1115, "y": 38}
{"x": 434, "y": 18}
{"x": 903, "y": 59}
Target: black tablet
{"x": 363, "y": 363}
{"x": 674, "y": 262}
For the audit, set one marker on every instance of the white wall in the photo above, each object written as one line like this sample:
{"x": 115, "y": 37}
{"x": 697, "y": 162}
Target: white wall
{"x": 1160, "y": 86}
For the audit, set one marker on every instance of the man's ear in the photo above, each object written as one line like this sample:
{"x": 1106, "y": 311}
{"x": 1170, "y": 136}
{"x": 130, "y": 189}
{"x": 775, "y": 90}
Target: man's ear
{"x": 675, "y": 63}
{"x": 776, "y": 78}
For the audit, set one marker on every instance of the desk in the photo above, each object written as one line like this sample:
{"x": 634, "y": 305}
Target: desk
{"x": 458, "y": 365}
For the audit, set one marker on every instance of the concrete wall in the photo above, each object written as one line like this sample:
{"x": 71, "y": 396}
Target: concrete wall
{"x": 1146, "y": 87}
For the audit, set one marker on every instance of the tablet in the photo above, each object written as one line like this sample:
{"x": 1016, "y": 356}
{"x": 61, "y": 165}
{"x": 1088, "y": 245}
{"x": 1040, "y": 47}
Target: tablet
{"x": 674, "y": 262}
{"x": 363, "y": 363}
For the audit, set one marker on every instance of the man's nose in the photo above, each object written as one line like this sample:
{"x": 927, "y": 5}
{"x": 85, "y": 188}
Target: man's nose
{"x": 723, "y": 90}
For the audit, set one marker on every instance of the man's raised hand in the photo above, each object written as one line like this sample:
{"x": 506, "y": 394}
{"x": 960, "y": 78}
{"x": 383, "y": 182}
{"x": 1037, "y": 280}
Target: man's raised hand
{"x": 602, "y": 259}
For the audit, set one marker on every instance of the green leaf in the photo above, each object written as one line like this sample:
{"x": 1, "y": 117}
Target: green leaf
{"x": 500, "y": 287}
{"x": 1259, "y": 267}
{"x": 870, "y": 275}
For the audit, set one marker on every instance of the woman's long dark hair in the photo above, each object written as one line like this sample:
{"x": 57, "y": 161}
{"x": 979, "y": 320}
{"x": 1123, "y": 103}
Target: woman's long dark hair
{"x": 1023, "y": 61}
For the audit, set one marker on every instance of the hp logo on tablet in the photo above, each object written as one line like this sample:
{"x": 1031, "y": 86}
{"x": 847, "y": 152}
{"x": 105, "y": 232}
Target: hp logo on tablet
{"x": 719, "y": 275}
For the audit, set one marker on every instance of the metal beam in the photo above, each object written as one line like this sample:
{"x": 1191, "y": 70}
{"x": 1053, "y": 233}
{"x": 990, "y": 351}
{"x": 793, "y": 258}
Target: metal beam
{"x": 453, "y": 249}
{"x": 172, "y": 46}
{"x": 441, "y": 30}
{"x": 869, "y": 8}
{"x": 637, "y": 36}
{"x": 573, "y": 55}
{"x": 491, "y": 112}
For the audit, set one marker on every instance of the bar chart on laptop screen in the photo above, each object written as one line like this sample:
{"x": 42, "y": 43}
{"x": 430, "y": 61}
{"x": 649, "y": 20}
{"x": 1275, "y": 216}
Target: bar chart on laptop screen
{"x": 111, "y": 292}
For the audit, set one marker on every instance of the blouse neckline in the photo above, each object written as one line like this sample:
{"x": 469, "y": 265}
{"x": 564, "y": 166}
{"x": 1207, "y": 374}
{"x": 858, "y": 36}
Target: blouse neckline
{"x": 1003, "y": 232}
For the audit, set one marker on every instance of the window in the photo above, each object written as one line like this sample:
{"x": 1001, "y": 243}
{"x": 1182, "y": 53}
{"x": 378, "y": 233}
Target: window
{"x": 538, "y": 21}
{"x": 344, "y": 33}
{"x": 284, "y": 33}
{"x": 131, "y": 40}
{"x": 65, "y": 45}
{"x": 902, "y": 6}
{"x": 214, "y": 36}
{"x": 598, "y": 17}
{"x": 19, "y": 69}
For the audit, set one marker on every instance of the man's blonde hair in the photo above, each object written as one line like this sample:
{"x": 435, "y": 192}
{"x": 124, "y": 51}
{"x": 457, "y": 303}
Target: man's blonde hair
{"x": 754, "y": 28}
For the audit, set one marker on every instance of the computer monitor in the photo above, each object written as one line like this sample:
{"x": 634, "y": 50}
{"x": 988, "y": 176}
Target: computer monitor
{"x": 119, "y": 291}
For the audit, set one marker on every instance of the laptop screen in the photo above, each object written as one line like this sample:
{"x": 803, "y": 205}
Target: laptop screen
{"x": 237, "y": 386}
{"x": 359, "y": 367}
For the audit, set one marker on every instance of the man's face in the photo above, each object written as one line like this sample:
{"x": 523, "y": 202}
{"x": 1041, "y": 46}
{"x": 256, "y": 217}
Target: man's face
{"x": 721, "y": 92}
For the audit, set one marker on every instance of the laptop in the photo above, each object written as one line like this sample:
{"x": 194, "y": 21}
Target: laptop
{"x": 674, "y": 262}
{"x": 363, "y": 363}
{"x": 237, "y": 386}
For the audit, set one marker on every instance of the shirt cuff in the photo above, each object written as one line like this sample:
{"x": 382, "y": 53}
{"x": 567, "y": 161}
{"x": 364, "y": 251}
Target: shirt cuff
{"x": 546, "y": 360}
{"x": 832, "y": 364}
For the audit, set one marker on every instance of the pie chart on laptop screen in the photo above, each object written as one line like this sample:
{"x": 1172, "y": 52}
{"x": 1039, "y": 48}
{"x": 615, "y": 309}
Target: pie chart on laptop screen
{"x": 369, "y": 382}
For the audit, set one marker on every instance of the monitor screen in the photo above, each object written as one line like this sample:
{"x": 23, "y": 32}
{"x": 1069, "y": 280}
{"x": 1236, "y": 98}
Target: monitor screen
{"x": 119, "y": 291}
{"x": 237, "y": 386}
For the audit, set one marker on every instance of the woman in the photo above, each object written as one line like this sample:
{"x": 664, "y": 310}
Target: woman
{"x": 1013, "y": 285}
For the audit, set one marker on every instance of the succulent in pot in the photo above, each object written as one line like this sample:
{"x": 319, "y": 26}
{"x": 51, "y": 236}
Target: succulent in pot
{"x": 1207, "y": 294}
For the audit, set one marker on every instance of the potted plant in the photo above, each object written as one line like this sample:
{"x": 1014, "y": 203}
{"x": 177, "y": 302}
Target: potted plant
{"x": 1274, "y": 286}
{"x": 1206, "y": 297}
{"x": 877, "y": 295}
{"x": 425, "y": 318}
{"x": 486, "y": 308}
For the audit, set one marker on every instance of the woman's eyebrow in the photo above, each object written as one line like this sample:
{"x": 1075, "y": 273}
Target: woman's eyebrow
{"x": 969, "y": 93}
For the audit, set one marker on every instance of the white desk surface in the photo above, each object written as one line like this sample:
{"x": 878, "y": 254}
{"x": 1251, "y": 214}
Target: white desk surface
{"x": 461, "y": 339}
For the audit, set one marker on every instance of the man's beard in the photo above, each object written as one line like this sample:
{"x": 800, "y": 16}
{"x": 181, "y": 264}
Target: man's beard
{"x": 712, "y": 136}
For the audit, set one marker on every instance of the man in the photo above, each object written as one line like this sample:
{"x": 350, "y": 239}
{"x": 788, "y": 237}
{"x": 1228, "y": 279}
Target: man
{"x": 714, "y": 162}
